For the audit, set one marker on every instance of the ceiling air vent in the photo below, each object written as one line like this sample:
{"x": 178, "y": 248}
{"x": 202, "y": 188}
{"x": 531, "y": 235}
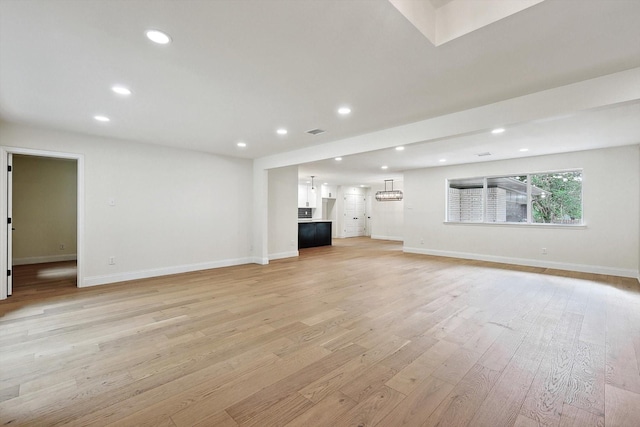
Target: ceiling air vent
{"x": 315, "y": 131}
{"x": 484, "y": 154}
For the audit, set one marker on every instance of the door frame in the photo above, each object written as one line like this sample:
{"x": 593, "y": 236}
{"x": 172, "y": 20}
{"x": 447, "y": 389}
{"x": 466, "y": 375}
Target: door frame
{"x": 4, "y": 154}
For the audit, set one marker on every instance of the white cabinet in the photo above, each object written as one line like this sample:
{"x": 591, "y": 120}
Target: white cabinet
{"x": 329, "y": 191}
{"x": 302, "y": 196}
{"x": 306, "y": 197}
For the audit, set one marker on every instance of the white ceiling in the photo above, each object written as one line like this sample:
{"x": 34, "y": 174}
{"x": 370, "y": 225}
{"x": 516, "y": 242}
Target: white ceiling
{"x": 238, "y": 70}
{"x": 439, "y": 3}
{"x": 607, "y": 127}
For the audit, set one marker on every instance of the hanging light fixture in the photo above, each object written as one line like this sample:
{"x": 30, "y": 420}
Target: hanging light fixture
{"x": 313, "y": 188}
{"x": 389, "y": 196}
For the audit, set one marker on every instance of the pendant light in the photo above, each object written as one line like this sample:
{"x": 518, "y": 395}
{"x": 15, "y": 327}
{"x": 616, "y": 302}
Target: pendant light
{"x": 389, "y": 196}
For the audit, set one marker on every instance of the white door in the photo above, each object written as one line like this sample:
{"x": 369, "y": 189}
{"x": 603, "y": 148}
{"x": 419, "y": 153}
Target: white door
{"x": 9, "y": 224}
{"x": 354, "y": 215}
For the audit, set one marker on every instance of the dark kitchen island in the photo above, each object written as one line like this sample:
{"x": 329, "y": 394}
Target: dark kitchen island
{"x": 314, "y": 233}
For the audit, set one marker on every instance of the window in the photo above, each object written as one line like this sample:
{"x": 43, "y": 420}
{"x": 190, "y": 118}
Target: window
{"x": 544, "y": 198}
{"x": 558, "y": 197}
{"x": 466, "y": 200}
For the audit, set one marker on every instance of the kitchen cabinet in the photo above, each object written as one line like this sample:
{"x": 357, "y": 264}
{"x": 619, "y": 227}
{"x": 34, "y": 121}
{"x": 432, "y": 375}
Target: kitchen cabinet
{"x": 314, "y": 233}
{"x": 329, "y": 191}
{"x": 306, "y": 197}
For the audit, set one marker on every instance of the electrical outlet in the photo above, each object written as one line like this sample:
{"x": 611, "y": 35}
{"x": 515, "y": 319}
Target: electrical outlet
{"x": 544, "y": 251}
{"x": 61, "y": 246}
{"x": 112, "y": 260}
{"x": 422, "y": 241}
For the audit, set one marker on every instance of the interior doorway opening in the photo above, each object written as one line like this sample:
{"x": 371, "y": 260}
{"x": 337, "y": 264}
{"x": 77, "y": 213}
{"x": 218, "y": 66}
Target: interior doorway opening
{"x": 42, "y": 199}
{"x": 44, "y": 222}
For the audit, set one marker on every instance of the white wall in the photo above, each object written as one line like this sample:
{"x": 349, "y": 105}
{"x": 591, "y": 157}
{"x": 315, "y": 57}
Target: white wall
{"x": 44, "y": 209}
{"x": 387, "y": 218}
{"x": 175, "y": 210}
{"x": 337, "y": 229}
{"x": 599, "y": 92}
{"x": 317, "y": 212}
{"x": 608, "y": 244}
{"x": 283, "y": 212}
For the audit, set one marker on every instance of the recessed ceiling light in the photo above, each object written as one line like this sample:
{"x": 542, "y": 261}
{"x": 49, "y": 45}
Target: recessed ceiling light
{"x": 442, "y": 160}
{"x": 362, "y": 185}
{"x": 522, "y": 150}
{"x": 384, "y": 167}
{"x": 281, "y": 131}
{"x": 498, "y": 130}
{"x": 157, "y": 36}
{"x": 121, "y": 90}
{"x": 344, "y": 111}
{"x": 338, "y": 158}
{"x": 326, "y": 183}
{"x": 400, "y": 148}
{"x": 103, "y": 119}
{"x": 241, "y": 144}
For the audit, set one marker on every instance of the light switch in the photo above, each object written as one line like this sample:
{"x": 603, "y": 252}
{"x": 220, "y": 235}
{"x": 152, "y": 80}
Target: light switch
{"x": 112, "y": 202}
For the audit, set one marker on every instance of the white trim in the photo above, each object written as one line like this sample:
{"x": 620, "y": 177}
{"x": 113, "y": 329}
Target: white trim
{"x": 44, "y": 259}
{"x": 394, "y": 238}
{"x": 518, "y": 224}
{"x": 4, "y": 151}
{"x": 281, "y": 255}
{"x": 259, "y": 260}
{"x": 163, "y": 271}
{"x": 583, "y": 268}
{"x": 9, "y": 246}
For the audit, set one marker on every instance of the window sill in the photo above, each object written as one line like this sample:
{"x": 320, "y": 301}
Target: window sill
{"x": 519, "y": 225}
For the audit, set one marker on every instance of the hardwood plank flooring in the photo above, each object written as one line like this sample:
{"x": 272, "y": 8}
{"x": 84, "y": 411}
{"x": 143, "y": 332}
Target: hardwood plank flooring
{"x": 358, "y": 333}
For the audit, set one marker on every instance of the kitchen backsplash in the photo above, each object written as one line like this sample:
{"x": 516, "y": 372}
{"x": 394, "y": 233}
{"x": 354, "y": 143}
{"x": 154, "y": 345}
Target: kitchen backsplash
{"x": 304, "y": 213}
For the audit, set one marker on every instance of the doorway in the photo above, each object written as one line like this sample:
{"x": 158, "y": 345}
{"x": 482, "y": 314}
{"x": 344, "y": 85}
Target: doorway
{"x": 43, "y": 202}
{"x": 329, "y": 214}
{"x": 354, "y": 215}
{"x": 44, "y": 221}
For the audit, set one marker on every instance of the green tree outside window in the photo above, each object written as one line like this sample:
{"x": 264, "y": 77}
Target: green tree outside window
{"x": 560, "y": 199}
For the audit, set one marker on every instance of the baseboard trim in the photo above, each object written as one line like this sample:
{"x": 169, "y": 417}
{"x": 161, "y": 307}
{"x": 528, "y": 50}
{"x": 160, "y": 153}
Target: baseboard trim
{"x": 594, "y": 269}
{"x": 282, "y": 255}
{"x": 394, "y": 238}
{"x": 260, "y": 260}
{"x": 44, "y": 259}
{"x": 164, "y": 271}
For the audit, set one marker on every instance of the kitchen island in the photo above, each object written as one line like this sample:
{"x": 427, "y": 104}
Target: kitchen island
{"x": 312, "y": 233}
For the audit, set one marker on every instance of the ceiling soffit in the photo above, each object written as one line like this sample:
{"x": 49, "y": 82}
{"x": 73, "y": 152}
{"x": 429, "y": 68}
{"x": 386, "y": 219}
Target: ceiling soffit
{"x": 441, "y": 21}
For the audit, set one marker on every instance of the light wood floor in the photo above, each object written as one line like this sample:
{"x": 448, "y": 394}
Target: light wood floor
{"x": 357, "y": 334}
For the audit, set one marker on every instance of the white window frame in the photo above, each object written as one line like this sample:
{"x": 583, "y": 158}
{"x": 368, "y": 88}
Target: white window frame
{"x": 529, "y": 222}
